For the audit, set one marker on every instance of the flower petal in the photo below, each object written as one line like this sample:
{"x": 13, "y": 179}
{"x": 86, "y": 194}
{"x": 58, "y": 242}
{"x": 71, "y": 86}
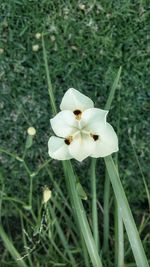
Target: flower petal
{"x": 64, "y": 123}
{"x": 107, "y": 142}
{"x": 57, "y": 149}
{"x": 93, "y": 120}
{"x": 81, "y": 147}
{"x": 74, "y": 100}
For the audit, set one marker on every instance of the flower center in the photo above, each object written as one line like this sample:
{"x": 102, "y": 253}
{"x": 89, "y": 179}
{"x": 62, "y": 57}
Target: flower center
{"x": 95, "y": 137}
{"x": 68, "y": 140}
{"x": 77, "y": 113}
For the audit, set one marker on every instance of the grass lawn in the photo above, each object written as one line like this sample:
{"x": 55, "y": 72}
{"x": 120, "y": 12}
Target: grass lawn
{"x": 86, "y": 43}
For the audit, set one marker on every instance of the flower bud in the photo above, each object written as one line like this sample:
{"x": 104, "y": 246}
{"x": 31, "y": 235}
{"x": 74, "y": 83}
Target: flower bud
{"x": 1, "y": 51}
{"x": 35, "y": 48}
{"x": 53, "y": 38}
{"x": 82, "y": 6}
{"x": 31, "y": 131}
{"x": 46, "y": 194}
{"x": 38, "y": 35}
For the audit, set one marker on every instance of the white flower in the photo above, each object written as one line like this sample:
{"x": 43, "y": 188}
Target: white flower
{"x": 82, "y": 130}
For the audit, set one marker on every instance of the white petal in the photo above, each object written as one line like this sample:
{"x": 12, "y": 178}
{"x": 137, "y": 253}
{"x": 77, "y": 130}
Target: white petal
{"x": 81, "y": 147}
{"x": 57, "y": 149}
{"x": 74, "y": 100}
{"x": 107, "y": 142}
{"x": 93, "y": 120}
{"x": 64, "y": 123}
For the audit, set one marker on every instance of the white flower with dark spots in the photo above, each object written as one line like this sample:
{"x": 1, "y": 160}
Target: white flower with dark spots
{"x": 82, "y": 130}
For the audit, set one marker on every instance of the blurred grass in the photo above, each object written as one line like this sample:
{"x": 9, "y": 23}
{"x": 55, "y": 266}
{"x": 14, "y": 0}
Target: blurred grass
{"x": 85, "y": 48}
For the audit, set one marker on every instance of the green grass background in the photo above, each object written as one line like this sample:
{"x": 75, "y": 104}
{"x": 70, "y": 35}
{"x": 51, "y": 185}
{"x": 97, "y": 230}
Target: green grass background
{"x": 89, "y": 47}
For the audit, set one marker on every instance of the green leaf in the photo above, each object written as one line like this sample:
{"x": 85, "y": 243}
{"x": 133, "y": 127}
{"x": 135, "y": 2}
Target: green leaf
{"x": 113, "y": 89}
{"x": 12, "y": 250}
{"x": 124, "y": 210}
{"x": 80, "y": 215}
{"x": 81, "y": 191}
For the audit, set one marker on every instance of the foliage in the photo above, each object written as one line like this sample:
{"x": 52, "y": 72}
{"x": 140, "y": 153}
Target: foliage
{"x": 86, "y": 45}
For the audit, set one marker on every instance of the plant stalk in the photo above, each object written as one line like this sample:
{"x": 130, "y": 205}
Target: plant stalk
{"x": 106, "y": 213}
{"x": 94, "y": 203}
{"x": 124, "y": 210}
{"x": 80, "y": 214}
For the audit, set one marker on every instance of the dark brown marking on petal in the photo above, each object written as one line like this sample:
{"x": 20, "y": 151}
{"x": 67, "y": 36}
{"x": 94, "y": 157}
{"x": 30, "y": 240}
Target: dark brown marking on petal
{"x": 77, "y": 113}
{"x": 68, "y": 140}
{"x": 95, "y": 137}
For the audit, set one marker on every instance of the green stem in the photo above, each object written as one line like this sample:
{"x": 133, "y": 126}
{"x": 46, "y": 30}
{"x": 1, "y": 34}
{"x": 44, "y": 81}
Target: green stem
{"x": 119, "y": 238}
{"x": 106, "y": 213}
{"x": 80, "y": 215}
{"x": 94, "y": 203}
{"x": 85, "y": 252}
{"x": 50, "y": 89}
{"x": 30, "y": 192}
{"x": 119, "y": 230}
{"x": 126, "y": 214}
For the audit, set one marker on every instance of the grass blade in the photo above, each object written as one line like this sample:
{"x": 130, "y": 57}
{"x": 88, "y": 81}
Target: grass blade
{"x": 62, "y": 236}
{"x": 113, "y": 89}
{"x": 126, "y": 214}
{"x": 142, "y": 175}
{"x": 12, "y": 250}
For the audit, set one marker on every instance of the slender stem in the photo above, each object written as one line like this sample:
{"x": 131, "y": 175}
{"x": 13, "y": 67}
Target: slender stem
{"x": 50, "y": 89}
{"x": 80, "y": 215}
{"x": 119, "y": 238}
{"x": 126, "y": 214}
{"x": 94, "y": 203}
{"x": 106, "y": 213}
{"x": 15, "y": 156}
{"x": 119, "y": 230}
{"x": 85, "y": 252}
{"x": 30, "y": 192}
